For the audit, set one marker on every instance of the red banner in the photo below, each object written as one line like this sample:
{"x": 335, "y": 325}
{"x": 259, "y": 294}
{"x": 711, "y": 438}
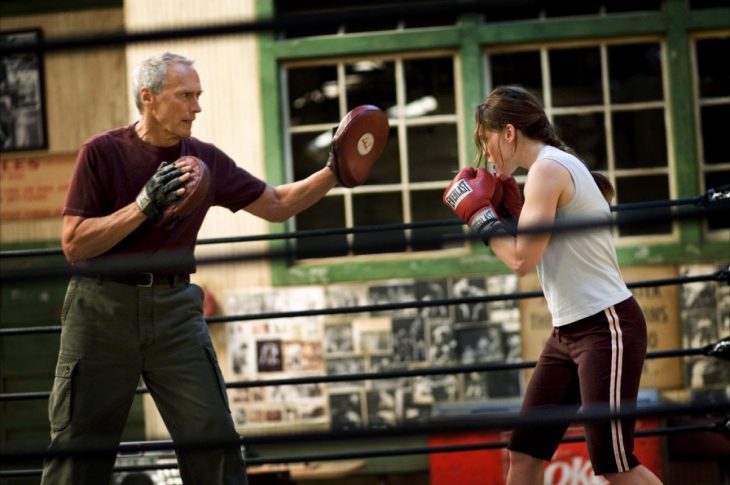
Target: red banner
{"x": 570, "y": 464}
{"x": 34, "y": 187}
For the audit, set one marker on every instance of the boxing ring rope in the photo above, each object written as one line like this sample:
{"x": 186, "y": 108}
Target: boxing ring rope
{"x": 719, "y": 427}
{"x": 717, "y": 349}
{"x": 581, "y": 225}
{"x": 721, "y": 275}
{"x": 710, "y": 196}
{"x": 335, "y": 18}
{"x": 558, "y": 415}
{"x": 722, "y": 347}
{"x": 170, "y": 259}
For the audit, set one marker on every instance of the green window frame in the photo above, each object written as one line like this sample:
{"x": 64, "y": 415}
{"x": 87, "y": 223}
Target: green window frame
{"x": 674, "y": 25}
{"x": 712, "y": 109}
{"x": 604, "y": 111}
{"x": 406, "y": 184}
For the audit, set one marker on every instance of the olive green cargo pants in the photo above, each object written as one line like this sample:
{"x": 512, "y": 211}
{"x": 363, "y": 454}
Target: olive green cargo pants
{"x": 112, "y": 334}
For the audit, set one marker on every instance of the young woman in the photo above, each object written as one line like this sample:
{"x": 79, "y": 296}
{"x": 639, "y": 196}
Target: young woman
{"x": 598, "y": 344}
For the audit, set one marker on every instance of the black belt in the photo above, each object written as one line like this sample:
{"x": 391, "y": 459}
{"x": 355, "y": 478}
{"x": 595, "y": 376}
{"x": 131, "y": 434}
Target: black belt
{"x": 148, "y": 279}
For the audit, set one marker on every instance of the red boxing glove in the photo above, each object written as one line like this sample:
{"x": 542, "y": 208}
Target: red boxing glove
{"x": 511, "y": 199}
{"x": 473, "y": 195}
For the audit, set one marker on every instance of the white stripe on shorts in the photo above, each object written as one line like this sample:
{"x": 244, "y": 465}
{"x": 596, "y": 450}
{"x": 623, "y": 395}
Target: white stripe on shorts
{"x": 617, "y": 357}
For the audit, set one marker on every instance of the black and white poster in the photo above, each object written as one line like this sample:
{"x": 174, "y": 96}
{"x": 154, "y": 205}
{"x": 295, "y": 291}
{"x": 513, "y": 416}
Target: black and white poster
{"x": 22, "y": 111}
{"x": 470, "y": 288}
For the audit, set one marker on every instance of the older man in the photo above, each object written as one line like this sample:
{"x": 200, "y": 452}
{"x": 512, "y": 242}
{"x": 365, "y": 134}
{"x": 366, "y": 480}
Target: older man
{"x": 120, "y": 327}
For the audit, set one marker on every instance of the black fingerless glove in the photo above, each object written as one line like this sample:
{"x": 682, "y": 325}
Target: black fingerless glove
{"x": 159, "y": 191}
{"x": 486, "y": 226}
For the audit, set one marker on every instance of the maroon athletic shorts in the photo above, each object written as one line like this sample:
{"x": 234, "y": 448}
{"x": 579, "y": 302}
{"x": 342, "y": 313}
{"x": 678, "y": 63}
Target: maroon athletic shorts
{"x": 595, "y": 361}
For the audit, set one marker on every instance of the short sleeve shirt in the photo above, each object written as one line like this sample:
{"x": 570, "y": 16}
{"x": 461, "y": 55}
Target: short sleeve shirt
{"x": 112, "y": 167}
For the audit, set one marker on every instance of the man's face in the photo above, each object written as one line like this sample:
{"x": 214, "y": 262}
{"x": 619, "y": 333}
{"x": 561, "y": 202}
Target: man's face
{"x": 174, "y": 108}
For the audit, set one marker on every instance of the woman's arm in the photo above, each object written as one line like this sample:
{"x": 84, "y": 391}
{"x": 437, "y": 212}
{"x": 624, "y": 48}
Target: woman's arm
{"x": 547, "y": 187}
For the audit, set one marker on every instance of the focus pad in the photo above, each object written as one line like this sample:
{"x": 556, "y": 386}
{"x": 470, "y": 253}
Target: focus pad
{"x": 359, "y": 140}
{"x": 196, "y": 189}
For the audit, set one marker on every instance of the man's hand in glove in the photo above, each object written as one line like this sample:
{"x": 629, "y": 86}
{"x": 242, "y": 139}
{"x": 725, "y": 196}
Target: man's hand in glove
{"x": 163, "y": 188}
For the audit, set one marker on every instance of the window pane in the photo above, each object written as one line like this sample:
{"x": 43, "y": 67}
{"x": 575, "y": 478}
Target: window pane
{"x": 635, "y": 72}
{"x": 429, "y": 86}
{"x": 639, "y": 139}
{"x": 370, "y": 82}
{"x": 309, "y": 153}
{"x": 714, "y": 74}
{"x": 642, "y": 189}
{"x": 426, "y": 206}
{"x": 313, "y": 95}
{"x": 576, "y": 76}
{"x": 386, "y": 169}
{"x": 586, "y": 135}
{"x": 432, "y": 153}
{"x": 717, "y": 179}
{"x": 517, "y": 68}
{"x": 328, "y": 213}
{"x": 715, "y": 133}
{"x": 372, "y": 209}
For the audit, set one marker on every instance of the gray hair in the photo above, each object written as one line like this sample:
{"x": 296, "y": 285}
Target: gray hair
{"x": 152, "y": 74}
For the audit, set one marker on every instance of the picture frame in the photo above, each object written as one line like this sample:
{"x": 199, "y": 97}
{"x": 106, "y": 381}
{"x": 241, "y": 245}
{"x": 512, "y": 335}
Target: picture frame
{"x": 22, "y": 95}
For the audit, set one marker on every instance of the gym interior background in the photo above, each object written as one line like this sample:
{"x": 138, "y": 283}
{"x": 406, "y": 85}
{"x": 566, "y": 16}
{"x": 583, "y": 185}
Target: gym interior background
{"x": 641, "y": 89}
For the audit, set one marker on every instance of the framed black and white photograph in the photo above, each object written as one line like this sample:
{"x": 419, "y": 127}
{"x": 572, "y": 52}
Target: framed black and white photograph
{"x": 345, "y": 365}
{"x": 373, "y": 336}
{"x": 446, "y": 388}
{"x": 393, "y": 292}
{"x": 382, "y": 408}
{"x": 338, "y": 338}
{"x": 472, "y": 343}
{"x": 470, "y": 288}
{"x": 413, "y": 411}
{"x": 346, "y": 410}
{"x": 409, "y": 339}
{"x": 475, "y": 386}
{"x": 431, "y": 290}
{"x": 269, "y": 356}
{"x": 442, "y": 346}
{"x": 22, "y": 95}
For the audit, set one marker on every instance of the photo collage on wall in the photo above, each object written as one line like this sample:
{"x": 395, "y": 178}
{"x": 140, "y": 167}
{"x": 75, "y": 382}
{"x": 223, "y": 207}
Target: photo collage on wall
{"x": 375, "y": 341}
{"x": 705, "y": 308}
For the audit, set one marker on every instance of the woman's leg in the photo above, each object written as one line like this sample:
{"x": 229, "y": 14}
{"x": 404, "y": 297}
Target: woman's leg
{"x": 525, "y": 469}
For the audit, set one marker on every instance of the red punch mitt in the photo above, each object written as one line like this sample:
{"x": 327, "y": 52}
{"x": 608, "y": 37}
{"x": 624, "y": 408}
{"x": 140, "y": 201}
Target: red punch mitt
{"x": 359, "y": 140}
{"x": 196, "y": 189}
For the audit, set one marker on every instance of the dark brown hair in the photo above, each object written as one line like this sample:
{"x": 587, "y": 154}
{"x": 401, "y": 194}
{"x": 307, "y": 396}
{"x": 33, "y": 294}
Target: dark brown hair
{"x": 604, "y": 185}
{"x": 515, "y": 105}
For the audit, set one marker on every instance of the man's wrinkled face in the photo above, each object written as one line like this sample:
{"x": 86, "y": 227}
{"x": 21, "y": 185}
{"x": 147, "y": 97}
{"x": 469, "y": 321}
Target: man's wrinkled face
{"x": 174, "y": 108}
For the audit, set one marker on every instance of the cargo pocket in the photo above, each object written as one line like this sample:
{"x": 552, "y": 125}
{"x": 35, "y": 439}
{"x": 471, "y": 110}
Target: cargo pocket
{"x": 59, "y": 405}
{"x": 70, "y": 294}
{"x": 219, "y": 377}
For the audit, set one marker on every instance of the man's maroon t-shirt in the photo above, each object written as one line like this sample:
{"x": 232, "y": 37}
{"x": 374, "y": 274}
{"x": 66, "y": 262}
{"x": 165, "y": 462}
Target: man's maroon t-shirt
{"x": 111, "y": 169}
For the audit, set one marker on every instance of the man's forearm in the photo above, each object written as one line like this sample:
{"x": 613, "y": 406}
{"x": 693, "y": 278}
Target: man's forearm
{"x": 84, "y": 238}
